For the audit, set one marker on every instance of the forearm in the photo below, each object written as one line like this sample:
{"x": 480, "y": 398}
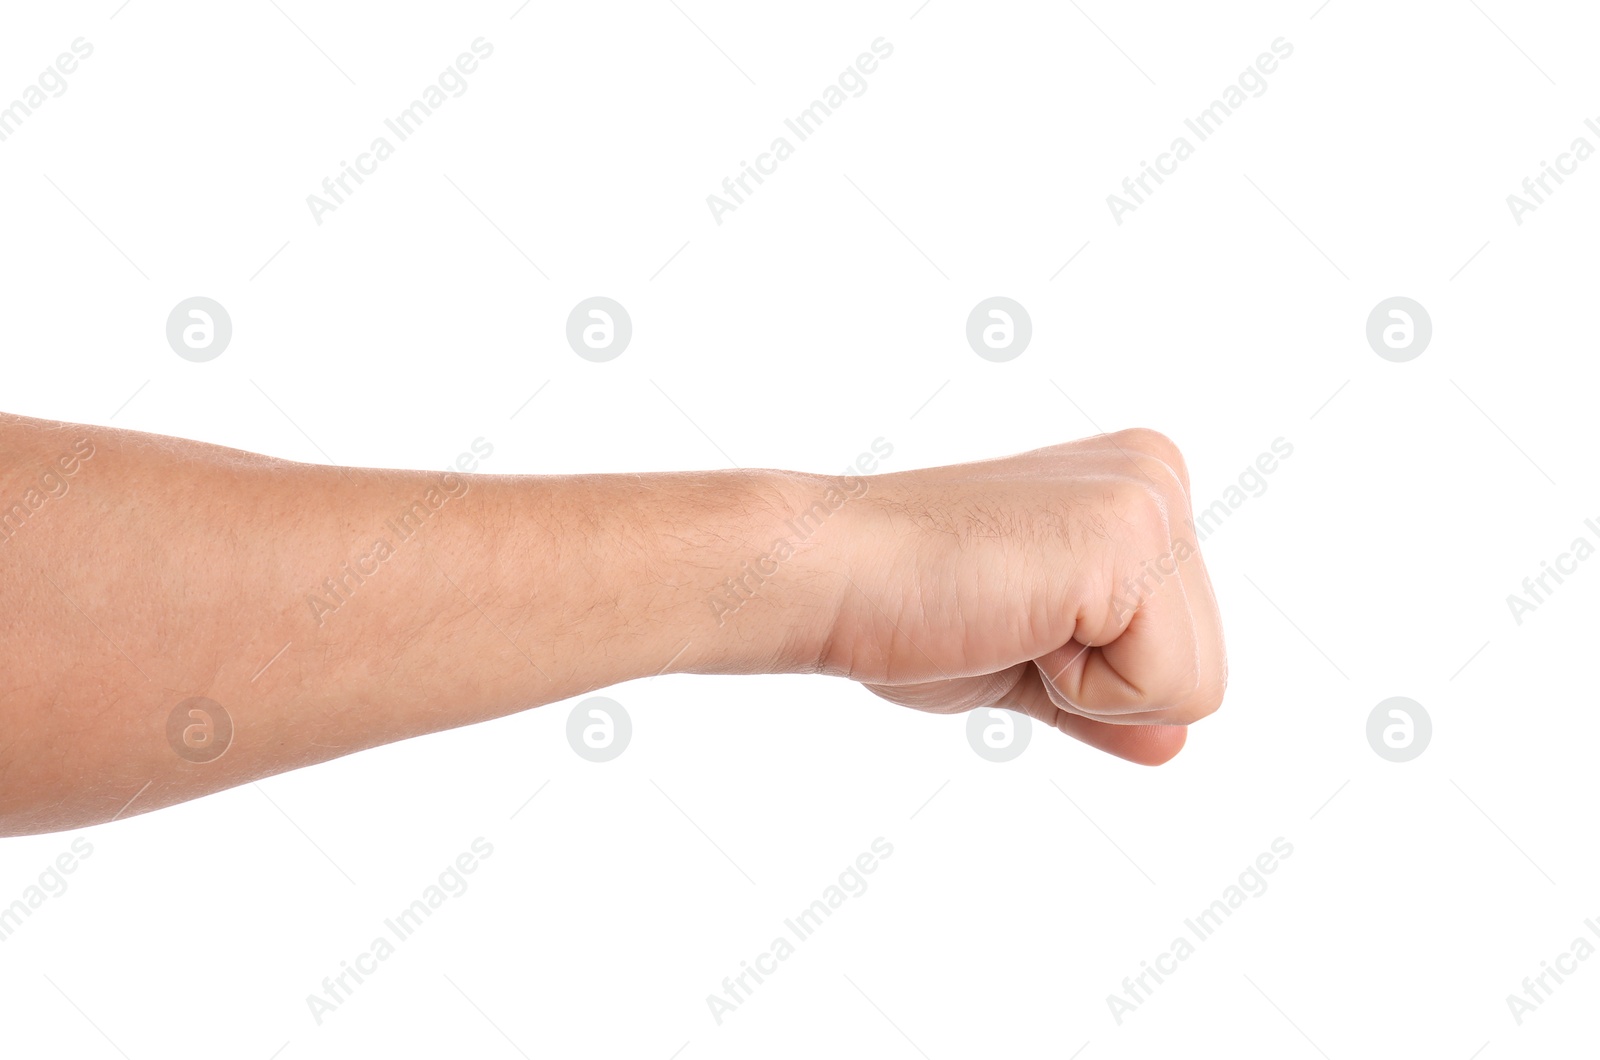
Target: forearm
{"x": 329, "y": 610}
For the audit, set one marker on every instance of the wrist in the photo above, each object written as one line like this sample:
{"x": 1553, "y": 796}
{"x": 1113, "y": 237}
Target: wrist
{"x": 761, "y": 566}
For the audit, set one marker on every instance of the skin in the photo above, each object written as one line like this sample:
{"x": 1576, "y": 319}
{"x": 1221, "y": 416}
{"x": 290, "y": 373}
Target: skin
{"x": 138, "y": 571}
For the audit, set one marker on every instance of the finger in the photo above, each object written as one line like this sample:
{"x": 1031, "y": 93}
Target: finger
{"x": 1143, "y": 442}
{"x": 1211, "y": 651}
{"x": 1148, "y": 745}
{"x": 1145, "y": 454}
{"x": 1140, "y": 656}
{"x": 1204, "y": 614}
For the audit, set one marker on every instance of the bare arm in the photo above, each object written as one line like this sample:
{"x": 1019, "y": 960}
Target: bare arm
{"x": 327, "y": 610}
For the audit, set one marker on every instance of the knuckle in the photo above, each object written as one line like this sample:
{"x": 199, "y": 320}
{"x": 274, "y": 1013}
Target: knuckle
{"x": 1163, "y": 460}
{"x": 1143, "y": 506}
{"x": 1149, "y": 441}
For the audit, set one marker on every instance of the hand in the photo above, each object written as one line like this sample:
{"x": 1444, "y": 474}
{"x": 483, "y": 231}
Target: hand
{"x": 1064, "y": 583}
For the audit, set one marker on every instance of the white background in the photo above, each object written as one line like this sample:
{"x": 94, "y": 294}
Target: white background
{"x": 829, "y": 310}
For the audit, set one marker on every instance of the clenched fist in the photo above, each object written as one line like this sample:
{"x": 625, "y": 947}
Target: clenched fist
{"x": 1063, "y": 583}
